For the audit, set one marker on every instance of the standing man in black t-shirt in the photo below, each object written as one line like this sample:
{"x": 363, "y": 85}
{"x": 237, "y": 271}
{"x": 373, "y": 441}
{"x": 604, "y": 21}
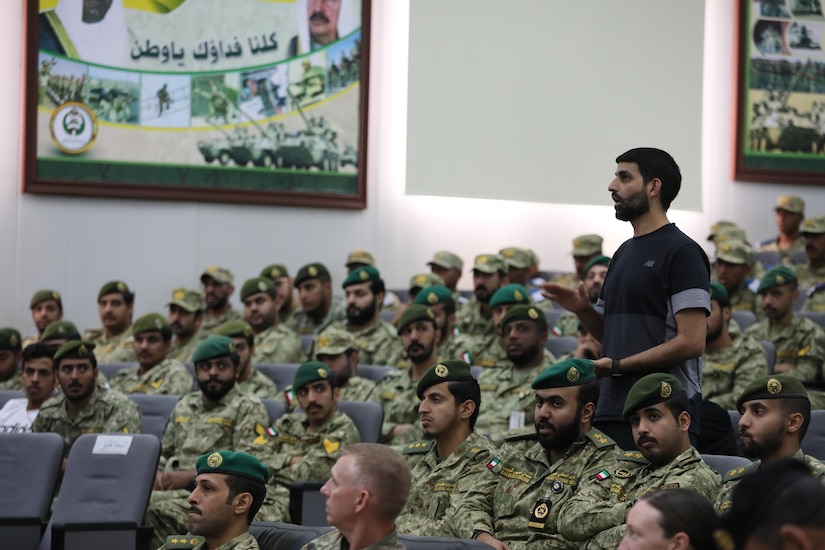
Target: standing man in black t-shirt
{"x": 650, "y": 316}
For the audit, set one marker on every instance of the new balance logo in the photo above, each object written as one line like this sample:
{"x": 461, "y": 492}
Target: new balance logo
{"x": 650, "y": 263}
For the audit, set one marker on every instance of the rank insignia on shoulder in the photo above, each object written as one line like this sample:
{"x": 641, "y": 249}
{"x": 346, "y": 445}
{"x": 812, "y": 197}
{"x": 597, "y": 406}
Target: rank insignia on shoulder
{"x": 476, "y": 451}
{"x": 419, "y": 447}
{"x": 184, "y": 541}
{"x": 331, "y": 446}
{"x": 670, "y": 486}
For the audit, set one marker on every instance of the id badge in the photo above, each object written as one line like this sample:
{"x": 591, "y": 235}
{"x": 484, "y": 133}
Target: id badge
{"x": 516, "y": 420}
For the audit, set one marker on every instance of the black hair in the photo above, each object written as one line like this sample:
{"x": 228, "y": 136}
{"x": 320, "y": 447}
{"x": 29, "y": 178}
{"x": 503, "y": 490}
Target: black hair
{"x": 655, "y": 163}
{"x": 464, "y": 390}
{"x": 238, "y": 485}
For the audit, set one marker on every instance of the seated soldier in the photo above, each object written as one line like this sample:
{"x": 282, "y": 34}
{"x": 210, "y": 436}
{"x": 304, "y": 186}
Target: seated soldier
{"x": 10, "y": 356}
{"x": 38, "y": 380}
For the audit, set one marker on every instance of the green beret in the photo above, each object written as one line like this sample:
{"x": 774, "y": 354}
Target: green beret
{"x": 237, "y": 328}
{"x": 431, "y": 295}
{"x": 447, "y": 260}
{"x": 717, "y": 291}
{"x": 150, "y": 321}
{"x": 814, "y": 226}
{"x": 188, "y": 299}
{"x": 416, "y": 312}
{"x": 510, "y": 294}
{"x": 773, "y": 386}
{"x": 734, "y": 251}
{"x": 43, "y": 296}
{"x": 516, "y": 257}
{"x": 525, "y": 313}
{"x": 585, "y": 245}
{"x": 489, "y": 264}
{"x": 598, "y": 260}
{"x": 274, "y": 271}
{"x": 311, "y": 271}
{"x": 334, "y": 341}
{"x": 776, "y": 276}
{"x": 360, "y": 257}
{"x": 60, "y": 329}
{"x": 309, "y": 373}
{"x": 10, "y": 339}
{"x": 257, "y": 285}
{"x": 425, "y": 279}
{"x": 216, "y": 345}
{"x": 218, "y": 274}
{"x": 113, "y": 287}
{"x": 444, "y": 371}
{"x": 362, "y": 275}
{"x": 75, "y": 349}
{"x": 571, "y": 372}
{"x": 651, "y": 390}
{"x": 233, "y": 463}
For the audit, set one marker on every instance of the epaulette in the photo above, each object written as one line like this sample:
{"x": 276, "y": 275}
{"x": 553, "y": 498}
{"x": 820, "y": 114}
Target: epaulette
{"x": 529, "y": 434}
{"x": 817, "y": 467}
{"x": 184, "y": 541}
{"x": 737, "y": 473}
{"x": 633, "y": 456}
{"x": 816, "y": 288}
{"x": 599, "y": 439}
{"x": 418, "y": 448}
{"x": 475, "y": 452}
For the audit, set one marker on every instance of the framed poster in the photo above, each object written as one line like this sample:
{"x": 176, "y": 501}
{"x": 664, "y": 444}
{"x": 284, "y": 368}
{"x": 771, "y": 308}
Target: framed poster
{"x": 780, "y": 132}
{"x": 249, "y": 101}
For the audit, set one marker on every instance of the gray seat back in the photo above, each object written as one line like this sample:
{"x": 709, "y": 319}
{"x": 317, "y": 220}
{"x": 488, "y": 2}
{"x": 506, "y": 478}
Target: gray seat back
{"x": 368, "y": 418}
{"x": 155, "y": 411}
{"x": 722, "y": 464}
{"x": 559, "y": 345}
{"x": 282, "y": 375}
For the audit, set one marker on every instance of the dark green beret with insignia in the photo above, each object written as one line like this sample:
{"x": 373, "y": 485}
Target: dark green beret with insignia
{"x": 571, "y": 372}
{"x": 311, "y": 271}
{"x": 717, "y": 291}
{"x": 525, "y": 313}
{"x": 233, "y": 463}
{"x": 416, "y": 312}
{"x": 188, "y": 299}
{"x": 150, "y": 321}
{"x": 424, "y": 280}
{"x": 274, "y": 271}
{"x": 237, "y": 328}
{"x": 256, "y": 285}
{"x": 311, "y": 372}
{"x": 75, "y": 349}
{"x": 651, "y": 390}
{"x": 776, "y": 276}
{"x": 216, "y": 345}
{"x": 10, "y": 339}
{"x": 598, "y": 260}
{"x": 773, "y": 386}
{"x": 362, "y": 275}
{"x": 513, "y": 293}
{"x": 60, "y": 329}
{"x": 444, "y": 371}
{"x": 44, "y": 296}
{"x": 436, "y": 294}
{"x": 113, "y": 287}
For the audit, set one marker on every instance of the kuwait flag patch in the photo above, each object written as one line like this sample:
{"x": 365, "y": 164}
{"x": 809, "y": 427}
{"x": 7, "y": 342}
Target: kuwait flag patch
{"x": 601, "y": 476}
{"x": 493, "y": 463}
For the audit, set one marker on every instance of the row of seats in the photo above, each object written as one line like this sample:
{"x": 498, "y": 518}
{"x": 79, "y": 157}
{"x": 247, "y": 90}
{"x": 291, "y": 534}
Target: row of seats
{"x": 746, "y": 318}
{"x": 813, "y": 443}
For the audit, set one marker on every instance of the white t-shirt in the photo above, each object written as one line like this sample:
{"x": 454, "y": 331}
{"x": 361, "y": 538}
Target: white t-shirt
{"x": 15, "y": 419}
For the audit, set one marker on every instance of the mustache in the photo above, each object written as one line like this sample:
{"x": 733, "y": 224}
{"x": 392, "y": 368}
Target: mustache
{"x": 319, "y": 17}
{"x": 645, "y": 439}
{"x": 195, "y": 510}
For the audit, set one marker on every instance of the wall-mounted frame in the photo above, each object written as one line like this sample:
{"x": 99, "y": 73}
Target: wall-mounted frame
{"x": 780, "y": 123}
{"x": 247, "y": 101}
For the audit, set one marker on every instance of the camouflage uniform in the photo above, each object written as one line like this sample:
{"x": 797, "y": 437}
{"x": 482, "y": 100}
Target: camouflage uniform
{"x": 169, "y": 377}
{"x": 396, "y": 394}
{"x": 798, "y": 245}
{"x": 726, "y": 372}
{"x": 357, "y": 389}
{"x": 183, "y": 351}
{"x": 302, "y": 323}
{"x": 277, "y": 345}
{"x": 241, "y": 542}
{"x": 108, "y": 411}
{"x": 258, "y": 385}
{"x": 440, "y": 485}
{"x": 473, "y": 320}
{"x": 746, "y": 299}
{"x": 455, "y": 346}
{"x": 12, "y": 384}
{"x": 112, "y": 350}
{"x": 567, "y": 324}
{"x": 596, "y": 514}
{"x": 816, "y": 298}
{"x": 210, "y": 323}
{"x": 334, "y": 540}
{"x": 732, "y": 478}
{"x": 807, "y": 275}
{"x": 490, "y": 353}
{"x": 377, "y": 344}
{"x": 503, "y": 503}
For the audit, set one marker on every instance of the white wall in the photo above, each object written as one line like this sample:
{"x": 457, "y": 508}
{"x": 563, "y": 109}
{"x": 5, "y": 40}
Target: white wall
{"x": 75, "y": 245}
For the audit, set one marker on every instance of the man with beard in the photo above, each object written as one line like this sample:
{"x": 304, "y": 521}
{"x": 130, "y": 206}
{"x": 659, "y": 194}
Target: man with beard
{"x": 274, "y": 342}
{"x": 585, "y": 248}
{"x": 396, "y": 393}
{"x": 376, "y": 339}
{"x": 475, "y": 318}
{"x": 113, "y": 341}
{"x": 812, "y": 272}
{"x": 776, "y": 413}
{"x": 249, "y": 380}
{"x": 799, "y": 342}
{"x": 218, "y": 286}
{"x": 733, "y": 267}
{"x": 10, "y": 358}
{"x": 790, "y": 211}
{"x": 155, "y": 373}
{"x": 185, "y": 319}
{"x": 453, "y": 343}
{"x": 319, "y": 308}
{"x": 447, "y": 465}
{"x": 651, "y": 314}
{"x": 506, "y": 391}
{"x": 83, "y": 407}
{"x": 516, "y": 504}
{"x": 731, "y": 361}
{"x": 38, "y": 381}
{"x": 219, "y": 415}
{"x": 46, "y": 307}
{"x": 593, "y": 276}
{"x": 322, "y": 20}
{"x": 284, "y": 290}
{"x": 658, "y": 410}
{"x": 304, "y": 445}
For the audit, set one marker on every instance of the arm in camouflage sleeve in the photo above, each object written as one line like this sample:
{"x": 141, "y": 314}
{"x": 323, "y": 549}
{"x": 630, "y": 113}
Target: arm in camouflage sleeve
{"x": 125, "y": 417}
{"x": 178, "y": 383}
{"x": 475, "y": 511}
{"x": 751, "y": 367}
{"x": 252, "y": 417}
{"x": 594, "y": 508}
{"x": 809, "y": 365}
{"x": 318, "y": 460}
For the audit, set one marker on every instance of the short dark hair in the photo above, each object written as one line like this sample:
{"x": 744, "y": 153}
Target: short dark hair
{"x": 165, "y": 333}
{"x": 464, "y": 390}
{"x": 588, "y": 393}
{"x": 38, "y": 350}
{"x": 685, "y": 511}
{"x": 792, "y": 405}
{"x": 377, "y": 285}
{"x": 56, "y": 362}
{"x": 678, "y": 404}
{"x": 238, "y": 485}
{"x": 723, "y": 301}
{"x": 655, "y": 163}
